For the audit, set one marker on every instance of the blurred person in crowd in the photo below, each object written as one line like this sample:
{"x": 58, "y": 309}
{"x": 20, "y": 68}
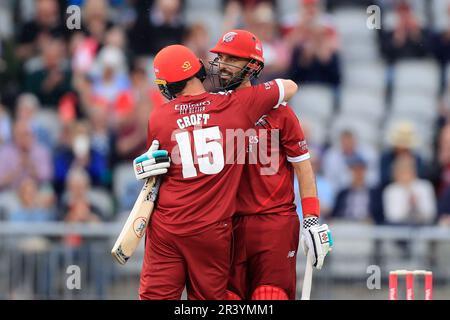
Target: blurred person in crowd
{"x": 250, "y": 3}
{"x": 52, "y": 79}
{"x": 239, "y": 14}
{"x": 116, "y": 37}
{"x": 95, "y": 19}
{"x": 444, "y": 208}
{"x": 444, "y": 108}
{"x": 441, "y": 169}
{"x": 27, "y": 108}
{"x": 408, "y": 39}
{"x": 408, "y": 200}
{"x": 335, "y": 161}
{"x": 141, "y": 99}
{"x": 5, "y": 125}
{"x": 78, "y": 206}
{"x": 276, "y": 51}
{"x": 24, "y": 157}
{"x": 102, "y": 136}
{"x": 197, "y": 39}
{"x": 325, "y": 191}
{"x": 441, "y": 47}
{"x": 315, "y": 55}
{"x": 402, "y": 140}
{"x": 77, "y": 203}
{"x": 125, "y": 12}
{"x": 35, "y": 204}
{"x": 233, "y": 15}
{"x": 145, "y": 94}
{"x": 309, "y": 17}
{"x": 157, "y": 27}
{"x": 76, "y": 151}
{"x": 129, "y": 127}
{"x": 84, "y": 65}
{"x": 82, "y": 51}
{"x": 46, "y": 24}
{"x": 358, "y": 202}
{"x": 109, "y": 77}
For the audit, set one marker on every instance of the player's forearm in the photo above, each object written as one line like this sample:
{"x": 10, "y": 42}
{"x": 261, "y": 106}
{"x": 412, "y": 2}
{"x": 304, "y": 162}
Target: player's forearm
{"x": 307, "y": 184}
{"x": 306, "y": 179}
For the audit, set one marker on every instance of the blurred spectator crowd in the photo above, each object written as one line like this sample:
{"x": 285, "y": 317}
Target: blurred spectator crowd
{"x": 375, "y": 104}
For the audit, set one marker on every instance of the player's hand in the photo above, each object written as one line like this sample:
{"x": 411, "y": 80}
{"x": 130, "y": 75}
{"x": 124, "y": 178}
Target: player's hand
{"x": 317, "y": 239}
{"x": 152, "y": 163}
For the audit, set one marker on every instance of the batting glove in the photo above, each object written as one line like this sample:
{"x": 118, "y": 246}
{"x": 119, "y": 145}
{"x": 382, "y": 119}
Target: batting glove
{"x": 317, "y": 239}
{"x": 152, "y": 163}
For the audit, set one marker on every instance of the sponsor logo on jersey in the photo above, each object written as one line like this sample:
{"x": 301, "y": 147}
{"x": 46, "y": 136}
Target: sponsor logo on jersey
{"x": 223, "y": 93}
{"x": 192, "y": 107}
{"x": 228, "y": 37}
{"x": 268, "y": 85}
{"x": 261, "y": 121}
{"x": 303, "y": 146}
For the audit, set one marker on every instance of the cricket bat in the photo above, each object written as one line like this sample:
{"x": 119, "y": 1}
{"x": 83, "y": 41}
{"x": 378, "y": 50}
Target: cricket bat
{"x": 307, "y": 279}
{"x": 136, "y": 224}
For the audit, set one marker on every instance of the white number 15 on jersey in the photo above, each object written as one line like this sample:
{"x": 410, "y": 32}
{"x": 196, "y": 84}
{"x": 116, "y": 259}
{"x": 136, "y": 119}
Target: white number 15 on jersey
{"x": 203, "y": 146}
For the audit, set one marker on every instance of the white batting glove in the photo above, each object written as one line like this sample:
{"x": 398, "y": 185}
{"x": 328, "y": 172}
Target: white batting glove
{"x": 152, "y": 163}
{"x": 317, "y": 239}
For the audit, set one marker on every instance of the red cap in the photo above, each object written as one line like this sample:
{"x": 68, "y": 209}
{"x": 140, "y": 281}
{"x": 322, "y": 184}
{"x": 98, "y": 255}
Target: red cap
{"x": 240, "y": 43}
{"x": 175, "y": 63}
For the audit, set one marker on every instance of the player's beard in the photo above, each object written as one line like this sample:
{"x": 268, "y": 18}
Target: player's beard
{"x": 226, "y": 75}
{"x": 228, "y": 79}
{"x": 222, "y": 79}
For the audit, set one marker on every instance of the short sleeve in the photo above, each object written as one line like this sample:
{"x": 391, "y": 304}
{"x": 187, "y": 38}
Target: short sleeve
{"x": 292, "y": 137}
{"x": 260, "y": 99}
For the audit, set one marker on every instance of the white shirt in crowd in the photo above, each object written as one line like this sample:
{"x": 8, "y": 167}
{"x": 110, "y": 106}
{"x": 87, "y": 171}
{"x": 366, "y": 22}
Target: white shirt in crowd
{"x": 415, "y": 203}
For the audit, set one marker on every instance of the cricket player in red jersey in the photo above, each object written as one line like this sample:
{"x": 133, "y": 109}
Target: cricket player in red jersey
{"x": 266, "y": 227}
{"x": 189, "y": 236}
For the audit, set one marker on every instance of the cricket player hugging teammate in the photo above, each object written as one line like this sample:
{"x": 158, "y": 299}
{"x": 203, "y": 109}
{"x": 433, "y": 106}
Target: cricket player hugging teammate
{"x": 214, "y": 183}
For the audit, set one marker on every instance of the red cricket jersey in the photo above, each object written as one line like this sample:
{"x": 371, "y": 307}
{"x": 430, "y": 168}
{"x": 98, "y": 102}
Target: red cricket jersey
{"x": 267, "y": 183}
{"x": 201, "y": 184}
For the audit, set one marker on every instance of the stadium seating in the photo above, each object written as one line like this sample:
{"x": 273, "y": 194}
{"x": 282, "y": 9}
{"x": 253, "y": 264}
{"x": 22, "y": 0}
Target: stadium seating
{"x": 371, "y": 76}
{"x": 367, "y": 132}
{"x": 367, "y": 105}
{"x": 317, "y": 133}
{"x": 440, "y": 15}
{"x": 416, "y": 76}
{"x": 201, "y": 5}
{"x": 423, "y": 107}
{"x": 8, "y": 203}
{"x": 314, "y": 101}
